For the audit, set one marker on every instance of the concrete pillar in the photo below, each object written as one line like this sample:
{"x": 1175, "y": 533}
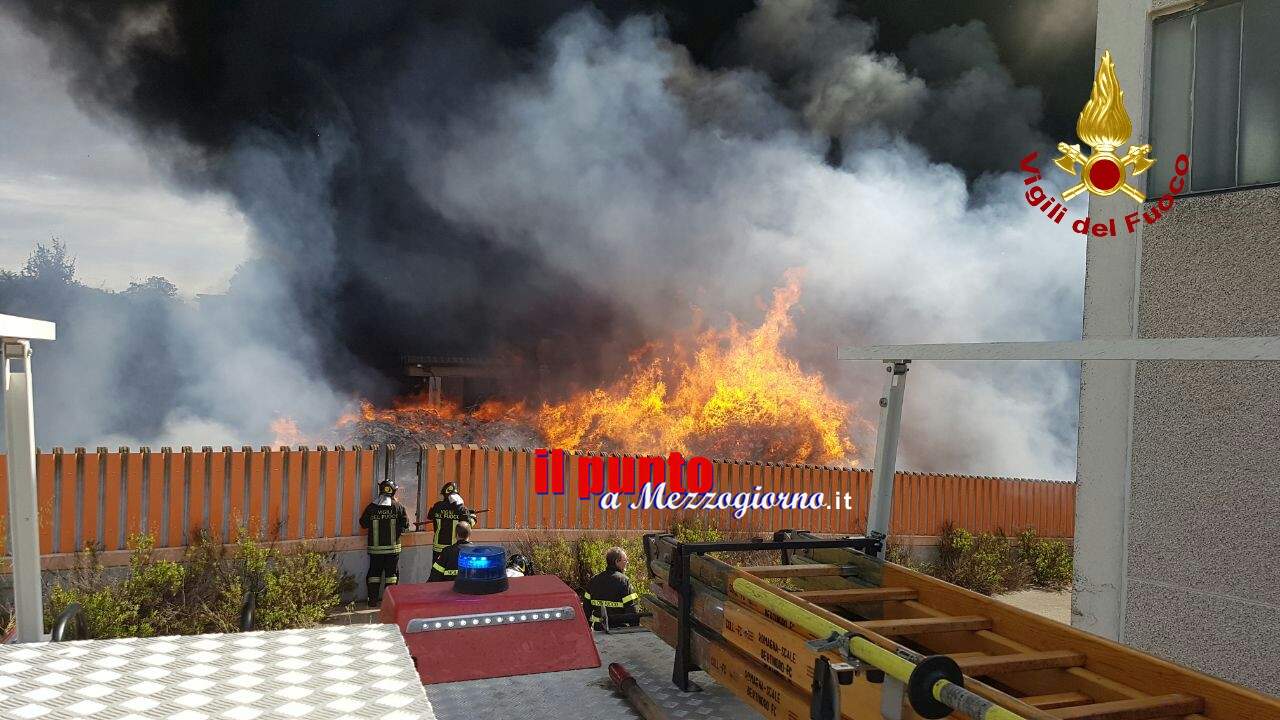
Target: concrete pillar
{"x": 1106, "y": 388}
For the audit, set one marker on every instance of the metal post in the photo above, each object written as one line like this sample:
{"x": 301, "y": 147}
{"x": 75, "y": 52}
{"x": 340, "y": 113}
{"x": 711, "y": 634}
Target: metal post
{"x": 24, "y": 527}
{"x": 886, "y": 460}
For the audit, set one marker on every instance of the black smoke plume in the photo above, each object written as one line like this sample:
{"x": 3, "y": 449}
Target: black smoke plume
{"x": 492, "y": 178}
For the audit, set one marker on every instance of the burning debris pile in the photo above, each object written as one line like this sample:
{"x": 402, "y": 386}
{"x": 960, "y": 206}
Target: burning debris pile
{"x": 730, "y": 393}
{"x": 414, "y": 421}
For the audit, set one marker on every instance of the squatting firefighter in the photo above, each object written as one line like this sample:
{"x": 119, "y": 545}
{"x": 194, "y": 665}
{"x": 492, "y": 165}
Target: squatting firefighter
{"x": 610, "y": 591}
{"x": 445, "y": 515}
{"x": 444, "y": 564}
{"x": 386, "y": 520}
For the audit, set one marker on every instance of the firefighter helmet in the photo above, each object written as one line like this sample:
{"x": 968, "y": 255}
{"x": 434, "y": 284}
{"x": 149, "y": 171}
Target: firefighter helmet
{"x": 448, "y": 489}
{"x": 521, "y": 563}
{"x": 388, "y": 487}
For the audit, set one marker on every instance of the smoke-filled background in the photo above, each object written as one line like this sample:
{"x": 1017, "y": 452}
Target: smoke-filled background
{"x": 346, "y": 182}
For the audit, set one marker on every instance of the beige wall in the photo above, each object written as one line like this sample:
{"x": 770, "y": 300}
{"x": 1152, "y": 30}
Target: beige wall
{"x": 1189, "y": 453}
{"x": 1203, "y": 533}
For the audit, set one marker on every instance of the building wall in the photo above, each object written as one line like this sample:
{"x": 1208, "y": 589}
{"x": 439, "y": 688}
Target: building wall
{"x": 1179, "y": 466}
{"x": 1203, "y": 536}
{"x": 1106, "y": 388}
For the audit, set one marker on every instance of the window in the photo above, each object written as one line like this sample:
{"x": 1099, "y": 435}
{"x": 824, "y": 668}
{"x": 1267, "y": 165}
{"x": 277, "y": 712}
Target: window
{"x": 1215, "y": 92}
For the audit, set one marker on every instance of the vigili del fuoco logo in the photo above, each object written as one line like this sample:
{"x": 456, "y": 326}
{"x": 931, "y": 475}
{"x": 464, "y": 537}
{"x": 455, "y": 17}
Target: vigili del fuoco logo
{"x": 1104, "y": 126}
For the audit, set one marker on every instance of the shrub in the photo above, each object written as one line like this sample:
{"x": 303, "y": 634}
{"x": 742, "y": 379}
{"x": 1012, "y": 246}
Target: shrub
{"x": 553, "y": 555}
{"x": 1048, "y": 560}
{"x": 992, "y": 563}
{"x": 577, "y": 560}
{"x": 201, "y": 594}
{"x": 696, "y": 529}
{"x": 986, "y": 562}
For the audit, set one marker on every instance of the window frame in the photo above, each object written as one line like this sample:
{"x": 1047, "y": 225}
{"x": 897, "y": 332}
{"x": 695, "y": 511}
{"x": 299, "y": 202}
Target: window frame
{"x": 1191, "y": 13}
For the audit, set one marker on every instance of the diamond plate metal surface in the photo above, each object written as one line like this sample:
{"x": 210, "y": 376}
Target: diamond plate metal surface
{"x": 588, "y": 693}
{"x": 360, "y": 671}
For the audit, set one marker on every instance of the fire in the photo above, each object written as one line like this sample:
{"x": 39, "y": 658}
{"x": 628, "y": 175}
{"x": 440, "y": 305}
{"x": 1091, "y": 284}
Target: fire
{"x": 738, "y": 395}
{"x": 731, "y": 393}
{"x": 287, "y": 433}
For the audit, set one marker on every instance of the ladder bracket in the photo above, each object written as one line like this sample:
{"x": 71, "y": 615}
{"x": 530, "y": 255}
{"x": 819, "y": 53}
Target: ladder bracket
{"x": 827, "y": 679}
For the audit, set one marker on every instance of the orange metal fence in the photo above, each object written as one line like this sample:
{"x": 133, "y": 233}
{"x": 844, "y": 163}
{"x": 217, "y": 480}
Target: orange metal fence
{"x": 104, "y": 497}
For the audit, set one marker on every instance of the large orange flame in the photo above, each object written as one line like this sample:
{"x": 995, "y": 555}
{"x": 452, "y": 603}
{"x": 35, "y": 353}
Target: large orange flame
{"x": 729, "y": 393}
{"x": 739, "y": 396}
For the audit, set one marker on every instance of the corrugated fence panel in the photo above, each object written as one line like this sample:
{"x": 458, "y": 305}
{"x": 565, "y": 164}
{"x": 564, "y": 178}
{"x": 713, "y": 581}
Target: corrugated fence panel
{"x": 106, "y": 497}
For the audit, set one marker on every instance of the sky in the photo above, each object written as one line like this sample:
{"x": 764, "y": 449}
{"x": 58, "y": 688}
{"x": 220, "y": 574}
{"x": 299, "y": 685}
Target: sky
{"x": 86, "y": 181}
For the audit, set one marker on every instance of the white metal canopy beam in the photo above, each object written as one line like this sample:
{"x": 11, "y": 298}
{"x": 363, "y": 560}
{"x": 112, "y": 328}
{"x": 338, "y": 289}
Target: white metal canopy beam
{"x": 20, "y": 328}
{"x": 1245, "y": 349}
{"x": 20, "y": 443}
{"x": 1227, "y": 348}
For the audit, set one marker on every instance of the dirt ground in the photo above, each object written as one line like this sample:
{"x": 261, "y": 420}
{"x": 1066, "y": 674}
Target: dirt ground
{"x": 1053, "y": 605}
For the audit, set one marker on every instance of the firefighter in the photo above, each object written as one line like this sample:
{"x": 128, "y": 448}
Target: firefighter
{"x": 386, "y": 520}
{"x": 445, "y": 516}
{"x": 610, "y": 591}
{"x": 444, "y": 564}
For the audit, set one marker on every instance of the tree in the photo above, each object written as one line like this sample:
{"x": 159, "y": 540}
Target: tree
{"x": 50, "y": 263}
{"x": 154, "y": 285}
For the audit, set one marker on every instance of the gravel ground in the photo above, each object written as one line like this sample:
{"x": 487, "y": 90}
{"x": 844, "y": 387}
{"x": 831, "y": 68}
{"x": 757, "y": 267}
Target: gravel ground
{"x": 1053, "y": 605}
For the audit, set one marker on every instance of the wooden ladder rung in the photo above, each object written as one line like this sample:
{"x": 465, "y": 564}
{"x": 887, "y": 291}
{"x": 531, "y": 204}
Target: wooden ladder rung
{"x": 857, "y": 595}
{"x": 794, "y": 571}
{"x": 1056, "y": 700}
{"x": 1157, "y": 706}
{"x": 921, "y": 626}
{"x": 1019, "y": 662}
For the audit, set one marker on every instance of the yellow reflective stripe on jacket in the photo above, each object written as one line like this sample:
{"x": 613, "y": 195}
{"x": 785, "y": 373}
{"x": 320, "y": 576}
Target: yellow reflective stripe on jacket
{"x": 385, "y": 549}
{"x": 442, "y": 569}
{"x": 611, "y": 603}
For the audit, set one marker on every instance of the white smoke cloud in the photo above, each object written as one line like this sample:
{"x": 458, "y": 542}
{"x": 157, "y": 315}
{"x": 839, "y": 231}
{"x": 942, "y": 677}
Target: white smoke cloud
{"x": 597, "y": 160}
{"x": 664, "y": 185}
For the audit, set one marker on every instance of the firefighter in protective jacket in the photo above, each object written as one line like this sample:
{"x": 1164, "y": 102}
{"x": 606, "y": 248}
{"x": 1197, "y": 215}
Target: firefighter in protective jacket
{"x": 444, "y": 564}
{"x": 445, "y": 516}
{"x": 386, "y": 520}
{"x": 610, "y": 592}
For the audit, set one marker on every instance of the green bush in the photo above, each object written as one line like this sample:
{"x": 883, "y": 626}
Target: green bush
{"x": 993, "y": 563}
{"x": 553, "y": 555}
{"x": 1048, "y": 560}
{"x": 696, "y": 529}
{"x": 203, "y": 593}
{"x": 577, "y": 560}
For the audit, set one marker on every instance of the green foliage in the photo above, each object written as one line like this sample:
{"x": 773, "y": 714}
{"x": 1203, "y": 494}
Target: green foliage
{"x": 201, "y": 594}
{"x": 695, "y": 529}
{"x": 993, "y": 563}
{"x": 298, "y": 591}
{"x": 1048, "y": 559}
{"x": 554, "y": 556}
{"x": 577, "y": 560}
